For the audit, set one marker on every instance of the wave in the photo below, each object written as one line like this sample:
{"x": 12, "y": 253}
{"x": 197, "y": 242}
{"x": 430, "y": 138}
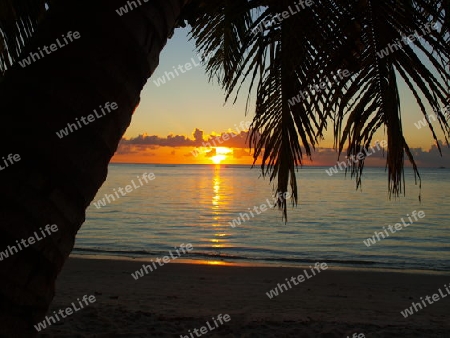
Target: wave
{"x": 294, "y": 262}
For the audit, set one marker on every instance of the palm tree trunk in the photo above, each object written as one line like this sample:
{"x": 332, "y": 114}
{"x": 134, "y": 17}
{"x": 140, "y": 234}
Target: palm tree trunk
{"x": 56, "y": 179}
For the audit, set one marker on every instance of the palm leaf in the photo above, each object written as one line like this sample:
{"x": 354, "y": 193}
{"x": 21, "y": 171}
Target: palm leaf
{"x": 18, "y": 21}
{"x": 305, "y": 48}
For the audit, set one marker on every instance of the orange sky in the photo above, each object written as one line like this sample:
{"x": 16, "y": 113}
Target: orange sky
{"x": 230, "y": 147}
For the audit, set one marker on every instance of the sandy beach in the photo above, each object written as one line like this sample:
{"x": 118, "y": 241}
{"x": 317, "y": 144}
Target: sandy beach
{"x": 176, "y": 298}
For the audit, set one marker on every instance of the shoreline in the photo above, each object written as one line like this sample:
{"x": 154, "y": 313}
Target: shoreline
{"x": 261, "y": 264}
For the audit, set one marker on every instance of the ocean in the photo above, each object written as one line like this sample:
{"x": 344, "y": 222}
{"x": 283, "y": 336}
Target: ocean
{"x": 197, "y": 204}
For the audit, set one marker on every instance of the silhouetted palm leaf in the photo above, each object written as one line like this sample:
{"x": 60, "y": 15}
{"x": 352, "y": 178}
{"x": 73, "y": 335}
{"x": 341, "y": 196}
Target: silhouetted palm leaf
{"x": 18, "y": 21}
{"x": 303, "y": 50}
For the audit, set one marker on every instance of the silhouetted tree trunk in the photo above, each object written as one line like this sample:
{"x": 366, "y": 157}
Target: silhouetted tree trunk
{"x": 56, "y": 178}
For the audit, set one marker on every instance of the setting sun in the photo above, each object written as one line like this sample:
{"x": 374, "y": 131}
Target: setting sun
{"x": 221, "y": 153}
{"x": 218, "y": 158}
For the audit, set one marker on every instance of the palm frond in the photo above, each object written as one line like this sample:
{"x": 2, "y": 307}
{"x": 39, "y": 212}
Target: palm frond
{"x": 18, "y": 21}
{"x": 386, "y": 23}
{"x": 305, "y": 48}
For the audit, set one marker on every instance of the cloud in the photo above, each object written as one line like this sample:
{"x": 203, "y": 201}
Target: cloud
{"x": 238, "y": 141}
{"x": 198, "y": 136}
{"x": 238, "y": 153}
{"x": 147, "y": 141}
{"x": 211, "y": 153}
{"x": 199, "y": 142}
{"x": 432, "y": 157}
{"x": 423, "y": 158}
{"x": 230, "y": 139}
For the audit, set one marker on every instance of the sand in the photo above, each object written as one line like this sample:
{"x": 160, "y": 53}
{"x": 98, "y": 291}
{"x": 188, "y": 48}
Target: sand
{"x": 176, "y": 298}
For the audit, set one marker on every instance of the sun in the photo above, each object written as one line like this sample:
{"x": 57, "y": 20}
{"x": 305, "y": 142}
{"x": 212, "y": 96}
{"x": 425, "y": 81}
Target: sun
{"x": 221, "y": 153}
{"x": 218, "y": 158}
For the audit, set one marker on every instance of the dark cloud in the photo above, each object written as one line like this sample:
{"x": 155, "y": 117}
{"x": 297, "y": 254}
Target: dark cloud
{"x": 238, "y": 153}
{"x": 238, "y": 141}
{"x": 211, "y": 153}
{"x": 225, "y": 139}
{"x": 423, "y": 158}
{"x": 231, "y": 140}
{"x": 432, "y": 157}
{"x": 198, "y": 136}
{"x": 153, "y": 140}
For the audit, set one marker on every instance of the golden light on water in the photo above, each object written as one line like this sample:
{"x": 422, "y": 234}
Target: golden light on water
{"x": 218, "y": 204}
{"x": 206, "y": 262}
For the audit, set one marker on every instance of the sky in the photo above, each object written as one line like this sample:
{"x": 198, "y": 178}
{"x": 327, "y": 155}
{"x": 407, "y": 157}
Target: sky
{"x": 175, "y": 118}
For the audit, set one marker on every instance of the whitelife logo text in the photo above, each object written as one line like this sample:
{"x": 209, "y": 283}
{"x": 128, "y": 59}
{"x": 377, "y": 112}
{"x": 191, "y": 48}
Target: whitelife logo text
{"x": 371, "y": 240}
{"x": 184, "y": 248}
{"x": 64, "y": 313}
{"x": 71, "y": 127}
{"x": 204, "y": 330}
{"x": 25, "y": 243}
{"x": 110, "y": 197}
{"x": 10, "y": 160}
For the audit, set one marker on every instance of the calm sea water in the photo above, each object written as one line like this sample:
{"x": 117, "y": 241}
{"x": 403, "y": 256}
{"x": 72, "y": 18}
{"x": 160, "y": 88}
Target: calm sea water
{"x": 195, "y": 203}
